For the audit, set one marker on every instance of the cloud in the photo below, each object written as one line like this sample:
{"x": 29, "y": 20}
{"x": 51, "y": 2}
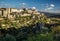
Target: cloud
{"x": 3, "y": 5}
{"x": 23, "y": 3}
{"x": 49, "y": 7}
{"x": 34, "y": 7}
{"x": 52, "y": 5}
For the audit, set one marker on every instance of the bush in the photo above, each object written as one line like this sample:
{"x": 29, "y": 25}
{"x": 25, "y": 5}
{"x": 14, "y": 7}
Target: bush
{"x": 9, "y": 37}
{"x": 41, "y": 37}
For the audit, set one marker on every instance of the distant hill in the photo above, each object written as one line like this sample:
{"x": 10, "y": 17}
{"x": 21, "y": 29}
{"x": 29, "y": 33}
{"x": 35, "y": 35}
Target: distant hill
{"x": 56, "y": 15}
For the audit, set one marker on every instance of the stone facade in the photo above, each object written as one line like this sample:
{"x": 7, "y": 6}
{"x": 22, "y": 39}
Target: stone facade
{"x": 6, "y": 12}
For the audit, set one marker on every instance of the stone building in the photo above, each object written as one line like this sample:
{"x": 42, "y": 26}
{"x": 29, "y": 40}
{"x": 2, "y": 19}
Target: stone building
{"x": 8, "y": 12}
{"x": 5, "y": 12}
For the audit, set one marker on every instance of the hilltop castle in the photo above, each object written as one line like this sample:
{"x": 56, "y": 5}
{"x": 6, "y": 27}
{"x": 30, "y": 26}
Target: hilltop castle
{"x": 13, "y": 12}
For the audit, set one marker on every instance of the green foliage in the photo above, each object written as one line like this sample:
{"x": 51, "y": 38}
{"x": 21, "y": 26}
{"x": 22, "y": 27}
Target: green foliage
{"x": 9, "y": 37}
{"x": 41, "y": 37}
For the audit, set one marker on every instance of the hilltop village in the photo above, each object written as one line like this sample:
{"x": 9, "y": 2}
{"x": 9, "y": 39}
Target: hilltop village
{"x": 12, "y": 12}
{"x": 27, "y": 24}
{"x": 22, "y": 17}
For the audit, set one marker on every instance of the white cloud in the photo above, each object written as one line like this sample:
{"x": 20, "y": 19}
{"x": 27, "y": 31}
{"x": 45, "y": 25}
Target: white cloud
{"x": 49, "y": 7}
{"x": 33, "y": 7}
{"x": 52, "y": 5}
{"x": 23, "y": 3}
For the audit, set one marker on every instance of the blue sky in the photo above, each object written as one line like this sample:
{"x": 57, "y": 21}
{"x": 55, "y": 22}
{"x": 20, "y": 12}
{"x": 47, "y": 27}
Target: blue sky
{"x": 42, "y": 5}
